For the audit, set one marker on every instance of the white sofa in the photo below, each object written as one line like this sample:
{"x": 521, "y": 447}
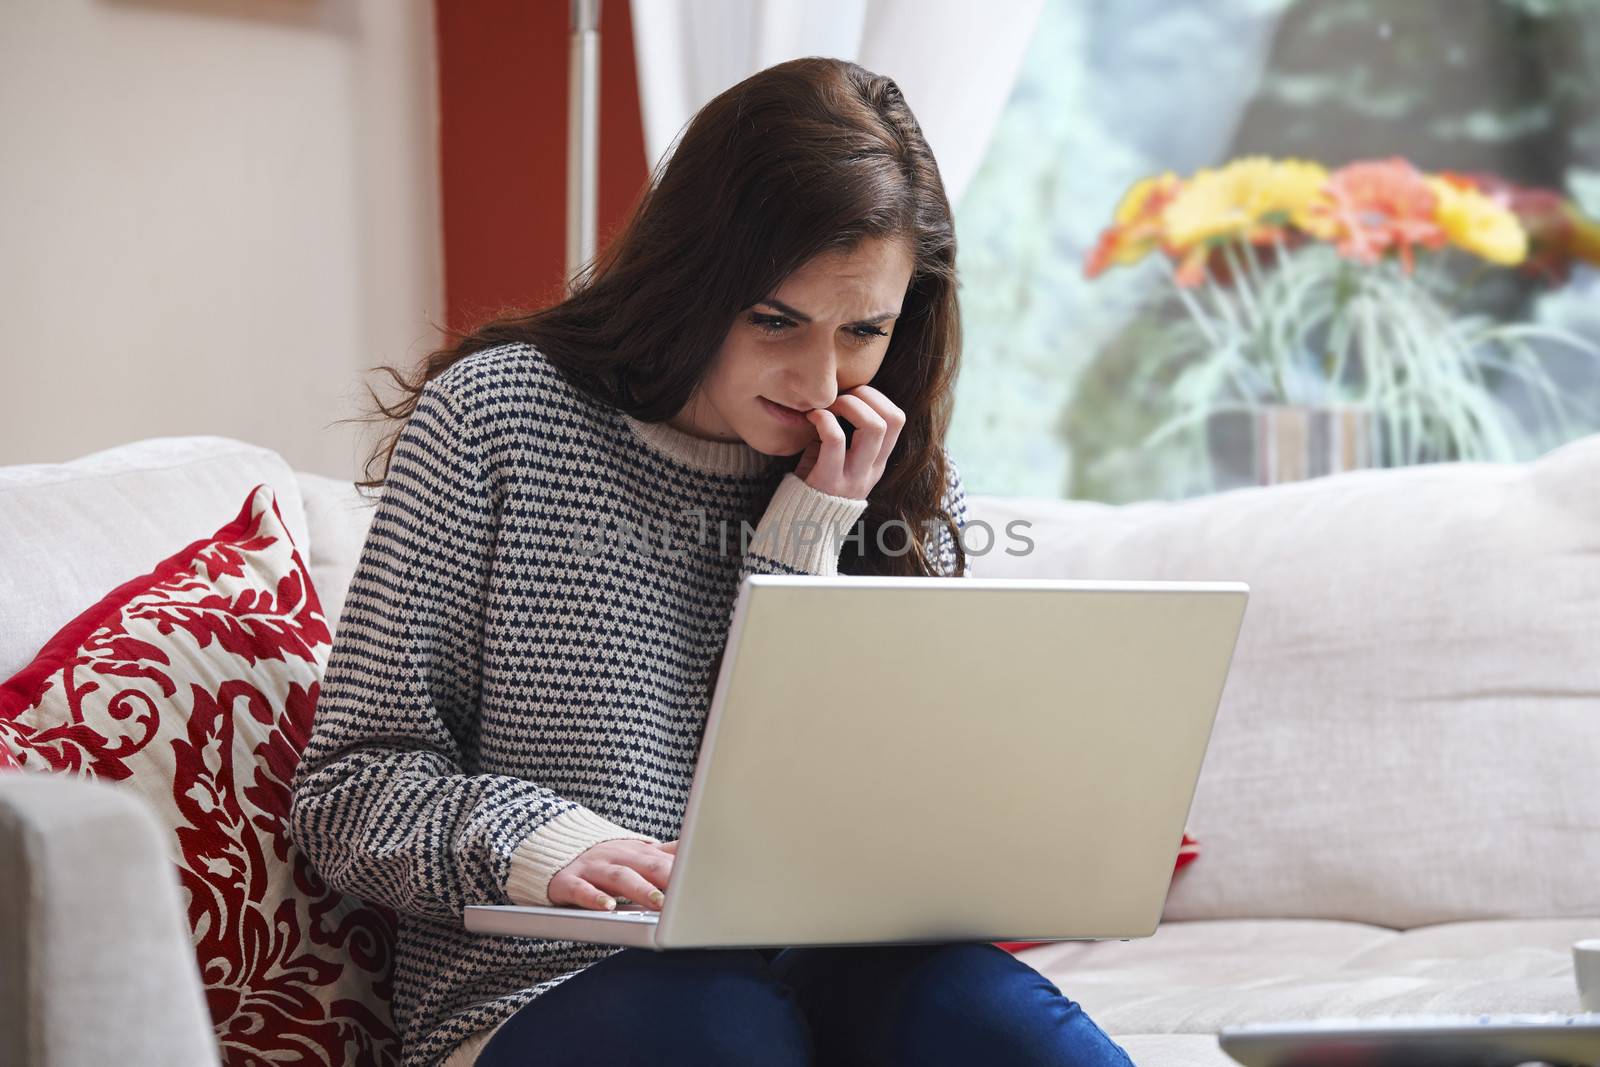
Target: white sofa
{"x": 1399, "y": 811}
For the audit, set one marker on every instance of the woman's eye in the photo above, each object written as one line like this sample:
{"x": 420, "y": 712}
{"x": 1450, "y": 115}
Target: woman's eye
{"x": 770, "y": 323}
{"x": 778, "y": 323}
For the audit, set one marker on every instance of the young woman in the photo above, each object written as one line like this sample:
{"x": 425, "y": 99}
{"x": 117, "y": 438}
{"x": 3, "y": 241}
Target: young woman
{"x": 512, "y": 709}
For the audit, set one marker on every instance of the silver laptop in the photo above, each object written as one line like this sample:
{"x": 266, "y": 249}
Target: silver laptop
{"x": 904, "y": 760}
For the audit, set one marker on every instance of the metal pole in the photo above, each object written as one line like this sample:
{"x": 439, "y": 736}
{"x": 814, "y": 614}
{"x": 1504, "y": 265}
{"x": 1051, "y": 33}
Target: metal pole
{"x": 583, "y": 135}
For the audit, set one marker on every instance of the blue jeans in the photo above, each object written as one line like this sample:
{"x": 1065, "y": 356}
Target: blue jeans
{"x": 930, "y": 1005}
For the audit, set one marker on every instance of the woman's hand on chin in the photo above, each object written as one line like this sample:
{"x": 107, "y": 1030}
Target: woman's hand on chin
{"x": 828, "y": 467}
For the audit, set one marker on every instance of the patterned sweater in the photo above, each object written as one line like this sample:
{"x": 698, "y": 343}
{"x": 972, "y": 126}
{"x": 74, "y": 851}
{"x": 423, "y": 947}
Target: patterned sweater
{"x": 521, "y": 668}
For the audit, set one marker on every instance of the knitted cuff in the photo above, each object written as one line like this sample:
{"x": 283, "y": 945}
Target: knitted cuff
{"x": 804, "y": 528}
{"x": 554, "y": 845}
{"x": 466, "y": 1054}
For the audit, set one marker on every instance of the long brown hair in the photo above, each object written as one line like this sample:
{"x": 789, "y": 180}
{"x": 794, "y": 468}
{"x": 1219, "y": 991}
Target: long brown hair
{"x": 807, "y": 156}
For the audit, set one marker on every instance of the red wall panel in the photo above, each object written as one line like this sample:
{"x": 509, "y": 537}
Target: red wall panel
{"x": 503, "y": 141}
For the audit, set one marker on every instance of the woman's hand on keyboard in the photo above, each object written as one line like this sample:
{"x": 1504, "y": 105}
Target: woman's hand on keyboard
{"x": 625, "y": 867}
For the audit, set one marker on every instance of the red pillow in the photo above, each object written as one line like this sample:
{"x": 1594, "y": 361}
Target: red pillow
{"x": 195, "y": 685}
{"x": 1188, "y": 852}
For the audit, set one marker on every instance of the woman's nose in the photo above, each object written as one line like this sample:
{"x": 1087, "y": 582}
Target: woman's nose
{"x": 818, "y": 384}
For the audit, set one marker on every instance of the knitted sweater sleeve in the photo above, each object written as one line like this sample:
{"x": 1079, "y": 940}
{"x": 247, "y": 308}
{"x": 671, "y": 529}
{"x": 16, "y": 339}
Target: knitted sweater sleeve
{"x": 381, "y": 804}
{"x": 803, "y": 529}
{"x": 801, "y": 532}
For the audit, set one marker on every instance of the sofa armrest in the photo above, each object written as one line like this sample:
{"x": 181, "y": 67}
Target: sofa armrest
{"x": 96, "y": 963}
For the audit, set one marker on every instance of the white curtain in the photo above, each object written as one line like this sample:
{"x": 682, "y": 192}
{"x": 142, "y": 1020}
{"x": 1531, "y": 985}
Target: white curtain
{"x": 955, "y": 60}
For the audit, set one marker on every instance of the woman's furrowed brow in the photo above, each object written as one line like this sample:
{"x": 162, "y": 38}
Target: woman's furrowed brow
{"x": 801, "y": 316}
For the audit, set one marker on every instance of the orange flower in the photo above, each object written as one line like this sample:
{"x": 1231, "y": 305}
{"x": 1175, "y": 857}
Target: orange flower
{"x": 1371, "y": 207}
{"x": 1137, "y": 229}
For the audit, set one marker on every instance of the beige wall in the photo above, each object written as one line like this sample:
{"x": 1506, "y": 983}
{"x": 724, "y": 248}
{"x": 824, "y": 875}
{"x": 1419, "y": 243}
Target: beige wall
{"x": 215, "y": 213}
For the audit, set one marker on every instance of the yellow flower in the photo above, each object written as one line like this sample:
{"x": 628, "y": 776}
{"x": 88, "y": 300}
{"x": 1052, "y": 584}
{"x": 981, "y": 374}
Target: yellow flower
{"x": 1251, "y": 198}
{"x": 1478, "y": 224}
{"x": 1293, "y": 188}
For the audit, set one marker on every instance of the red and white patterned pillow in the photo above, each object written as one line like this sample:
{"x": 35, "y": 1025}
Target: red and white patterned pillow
{"x": 195, "y": 685}
{"x": 1188, "y": 852}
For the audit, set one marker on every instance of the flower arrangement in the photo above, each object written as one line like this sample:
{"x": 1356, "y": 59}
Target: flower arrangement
{"x": 1333, "y": 288}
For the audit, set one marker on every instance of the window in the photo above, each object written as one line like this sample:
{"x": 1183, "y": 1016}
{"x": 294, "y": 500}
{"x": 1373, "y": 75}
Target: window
{"x": 1053, "y": 398}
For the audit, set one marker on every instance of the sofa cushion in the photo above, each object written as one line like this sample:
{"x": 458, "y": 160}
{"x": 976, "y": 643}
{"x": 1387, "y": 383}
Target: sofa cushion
{"x": 195, "y": 687}
{"x": 1197, "y": 977}
{"x": 338, "y": 517}
{"x": 1408, "y": 732}
{"x": 70, "y": 531}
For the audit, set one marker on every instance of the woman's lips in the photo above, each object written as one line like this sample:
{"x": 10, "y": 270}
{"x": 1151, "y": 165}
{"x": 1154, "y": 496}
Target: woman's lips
{"x": 786, "y": 415}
